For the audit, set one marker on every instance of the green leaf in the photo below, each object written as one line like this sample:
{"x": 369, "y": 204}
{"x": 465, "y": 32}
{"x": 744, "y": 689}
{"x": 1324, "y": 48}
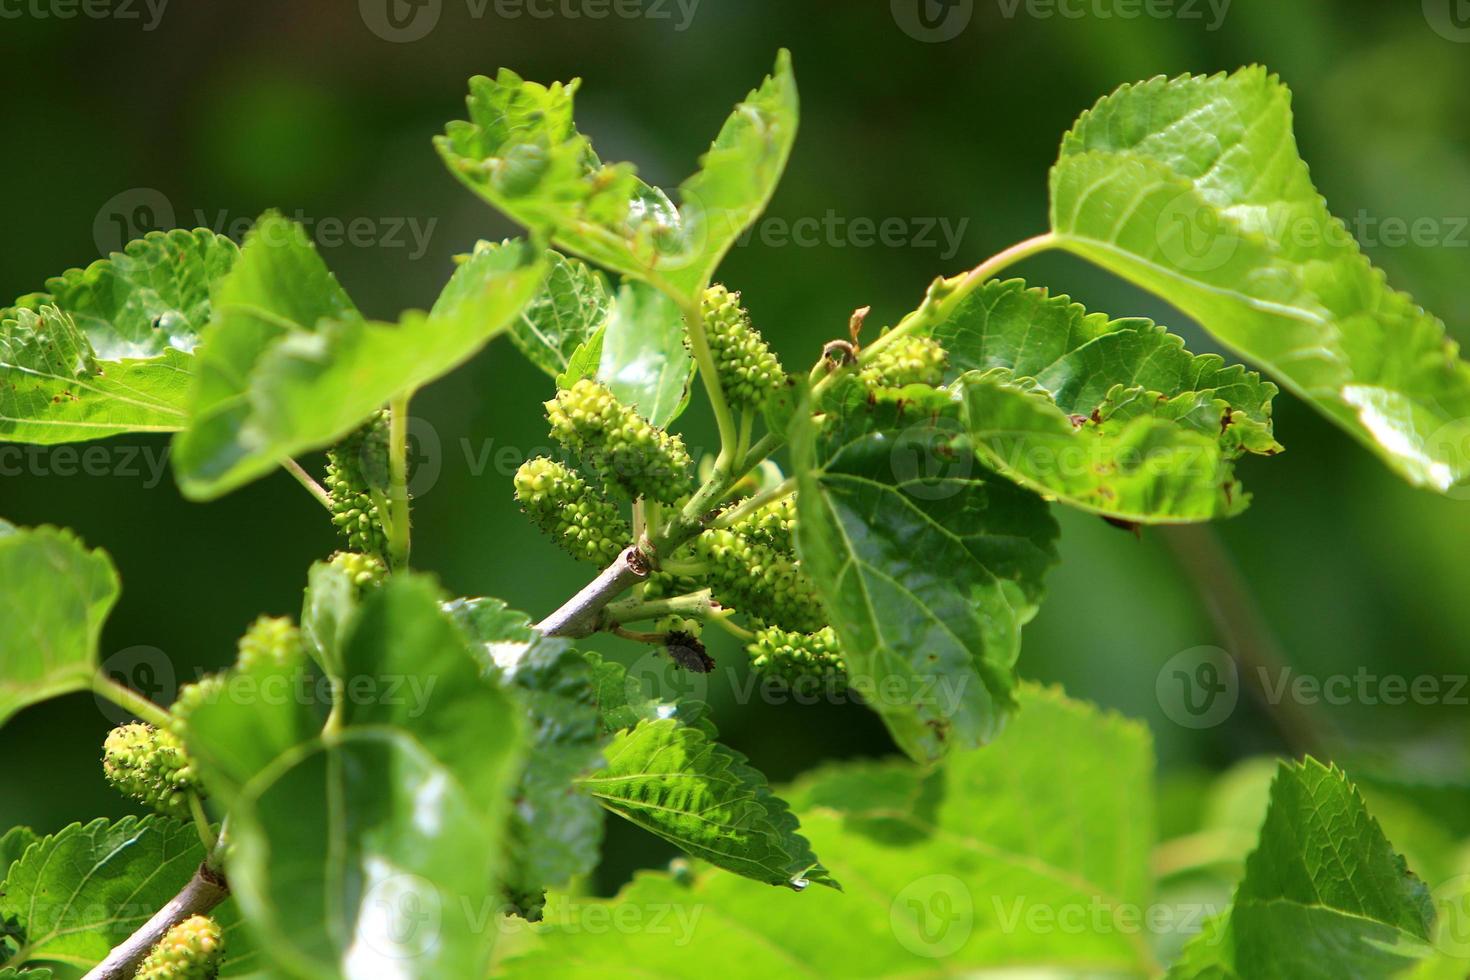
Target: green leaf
{"x": 107, "y": 349}
{"x": 927, "y": 564}
{"x": 520, "y": 150}
{"x": 1113, "y": 416}
{"x": 1194, "y": 189}
{"x": 947, "y": 871}
{"x": 1324, "y": 893}
{"x": 677, "y": 782}
{"x": 87, "y": 888}
{"x": 363, "y": 856}
{"x": 279, "y": 376}
{"x": 54, "y": 597}
{"x": 13, "y": 844}
{"x": 570, "y": 309}
{"x": 639, "y": 353}
{"x": 555, "y": 829}
{"x": 622, "y": 701}
{"x": 376, "y": 849}
{"x": 328, "y": 611}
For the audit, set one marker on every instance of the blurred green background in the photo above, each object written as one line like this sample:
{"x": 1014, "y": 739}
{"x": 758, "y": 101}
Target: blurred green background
{"x": 213, "y": 112}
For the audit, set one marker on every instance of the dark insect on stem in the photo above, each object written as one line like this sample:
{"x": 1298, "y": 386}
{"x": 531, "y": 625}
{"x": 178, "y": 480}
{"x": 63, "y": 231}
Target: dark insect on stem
{"x": 688, "y": 652}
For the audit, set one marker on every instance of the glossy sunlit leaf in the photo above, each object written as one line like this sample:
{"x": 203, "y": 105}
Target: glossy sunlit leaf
{"x": 568, "y": 311}
{"x": 520, "y": 150}
{"x": 54, "y": 597}
{"x": 108, "y": 349}
{"x": 1112, "y": 416}
{"x": 1003, "y": 859}
{"x": 288, "y": 366}
{"x": 81, "y": 891}
{"x": 1324, "y": 893}
{"x": 555, "y": 828}
{"x": 676, "y": 781}
{"x": 927, "y": 563}
{"x": 1193, "y": 188}
{"x": 639, "y": 353}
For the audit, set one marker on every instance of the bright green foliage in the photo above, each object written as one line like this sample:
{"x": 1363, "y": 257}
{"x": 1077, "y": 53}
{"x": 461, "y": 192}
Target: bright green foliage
{"x": 51, "y": 620}
{"x": 910, "y": 360}
{"x": 944, "y": 870}
{"x": 83, "y": 890}
{"x": 749, "y": 371}
{"x": 272, "y": 642}
{"x": 288, "y": 365}
{"x": 1193, "y": 188}
{"x": 798, "y": 657}
{"x": 572, "y": 306}
{"x": 1112, "y": 416}
{"x": 207, "y": 690}
{"x": 555, "y": 831}
{"x": 622, "y": 446}
{"x": 150, "y": 765}
{"x": 108, "y": 349}
{"x": 888, "y": 492}
{"x": 191, "y": 950}
{"x": 677, "y": 782}
{"x": 577, "y": 517}
{"x": 1324, "y": 889}
{"x": 424, "y": 770}
{"x": 752, "y": 574}
{"x": 521, "y": 151}
{"x": 357, "y": 482}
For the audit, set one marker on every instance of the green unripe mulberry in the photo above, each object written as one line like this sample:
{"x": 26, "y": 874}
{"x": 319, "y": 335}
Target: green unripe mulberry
{"x": 357, "y": 478}
{"x": 150, "y": 766}
{"x": 907, "y": 361}
{"x": 207, "y": 690}
{"x": 364, "y": 571}
{"x": 271, "y": 642}
{"x": 749, "y": 574}
{"x": 191, "y": 950}
{"x": 624, "y": 448}
{"x": 576, "y": 516}
{"x": 748, "y": 371}
{"x": 794, "y": 657}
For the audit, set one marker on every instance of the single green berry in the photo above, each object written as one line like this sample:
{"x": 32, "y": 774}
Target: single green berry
{"x": 748, "y": 371}
{"x": 364, "y": 571}
{"x": 577, "y": 517}
{"x": 191, "y": 950}
{"x": 271, "y": 641}
{"x": 624, "y": 448}
{"x": 207, "y": 690}
{"x": 794, "y": 657}
{"x": 907, "y": 361}
{"x": 150, "y": 766}
{"x": 357, "y": 479}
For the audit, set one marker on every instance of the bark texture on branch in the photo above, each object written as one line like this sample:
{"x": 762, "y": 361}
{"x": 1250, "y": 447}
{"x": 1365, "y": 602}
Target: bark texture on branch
{"x": 581, "y": 615}
{"x": 203, "y": 892}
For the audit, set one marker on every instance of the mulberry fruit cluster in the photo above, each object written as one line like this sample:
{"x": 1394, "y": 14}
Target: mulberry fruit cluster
{"x": 191, "y": 950}
{"x": 577, "y": 517}
{"x": 271, "y": 641}
{"x": 748, "y": 371}
{"x": 357, "y": 477}
{"x": 624, "y": 448}
{"x": 149, "y": 765}
{"x": 794, "y": 657}
{"x": 907, "y": 361}
{"x": 364, "y": 571}
{"x": 752, "y": 568}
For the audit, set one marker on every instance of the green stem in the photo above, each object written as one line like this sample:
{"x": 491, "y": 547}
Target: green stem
{"x": 722, "y": 620}
{"x": 399, "y": 536}
{"x": 747, "y": 507}
{"x": 201, "y": 823}
{"x": 695, "y": 605}
{"x": 131, "y": 701}
{"x": 304, "y": 478}
{"x": 705, "y": 360}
